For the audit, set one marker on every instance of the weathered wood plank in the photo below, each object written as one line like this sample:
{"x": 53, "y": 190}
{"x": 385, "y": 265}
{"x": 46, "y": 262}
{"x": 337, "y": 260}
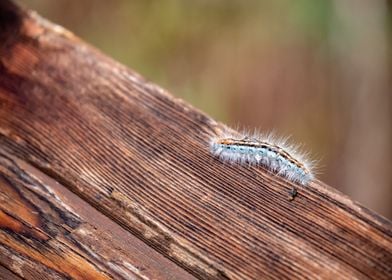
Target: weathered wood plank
{"x": 48, "y": 231}
{"x": 7, "y": 274}
{"x": 141, "y": 157}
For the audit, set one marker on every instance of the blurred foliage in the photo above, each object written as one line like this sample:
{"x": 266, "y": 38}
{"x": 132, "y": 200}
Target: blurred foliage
{"x": 314, "y": 69}
{"x": 175, "y": 43}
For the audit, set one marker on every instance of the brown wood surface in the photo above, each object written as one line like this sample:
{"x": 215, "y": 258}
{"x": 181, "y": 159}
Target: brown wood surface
{"x": 140, "y": 158}
{"x": 5, "y": 273}
{"x": 48, "y": 230}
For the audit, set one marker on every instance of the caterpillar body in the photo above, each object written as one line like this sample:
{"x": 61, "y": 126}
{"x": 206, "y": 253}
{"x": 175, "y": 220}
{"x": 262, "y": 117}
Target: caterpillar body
{"x": 272, "y": 153}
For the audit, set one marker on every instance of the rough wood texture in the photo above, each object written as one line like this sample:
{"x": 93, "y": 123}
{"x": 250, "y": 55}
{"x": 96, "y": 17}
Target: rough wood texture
{"x": 7, "y": 274}
{"x": 140, "y": 157}
{"x": 49, "y": 231}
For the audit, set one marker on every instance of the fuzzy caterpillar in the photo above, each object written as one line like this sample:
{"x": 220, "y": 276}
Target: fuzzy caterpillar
{"x": 272, "y": 153}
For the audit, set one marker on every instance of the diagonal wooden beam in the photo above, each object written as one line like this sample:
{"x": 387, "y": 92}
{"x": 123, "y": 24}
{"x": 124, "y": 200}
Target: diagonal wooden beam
{"x": 141, "y": 157}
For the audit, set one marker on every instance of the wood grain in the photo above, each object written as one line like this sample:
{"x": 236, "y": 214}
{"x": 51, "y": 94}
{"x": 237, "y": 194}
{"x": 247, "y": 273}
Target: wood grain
{"x": 7, "y": 274}
{"x": 141, "y": 157}
{"x": 46, "y": 231}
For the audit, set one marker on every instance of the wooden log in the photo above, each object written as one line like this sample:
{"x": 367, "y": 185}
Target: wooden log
{"x": 140, "y": 157}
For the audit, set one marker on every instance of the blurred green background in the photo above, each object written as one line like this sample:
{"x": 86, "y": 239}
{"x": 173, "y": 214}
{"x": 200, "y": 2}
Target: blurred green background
{"x": 319, "y": 71}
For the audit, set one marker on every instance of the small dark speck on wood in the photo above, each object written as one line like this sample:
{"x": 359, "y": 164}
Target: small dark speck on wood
{"x": 293, "y": 193}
